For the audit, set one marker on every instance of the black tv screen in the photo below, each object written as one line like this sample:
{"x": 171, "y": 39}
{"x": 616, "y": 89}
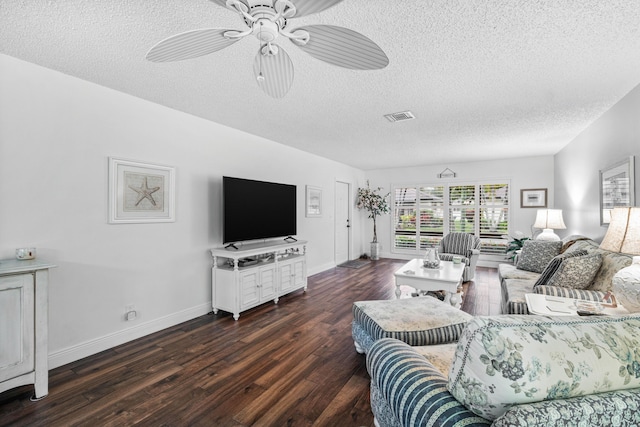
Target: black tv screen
{"x": 257, "y": 209}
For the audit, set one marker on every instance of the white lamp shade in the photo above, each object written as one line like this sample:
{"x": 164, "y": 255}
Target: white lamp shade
{"x": 549, "y": 218}
{"x": 631, "y": 244}
{"x": 623, "y": 234}
{"x": 617, "y": 229}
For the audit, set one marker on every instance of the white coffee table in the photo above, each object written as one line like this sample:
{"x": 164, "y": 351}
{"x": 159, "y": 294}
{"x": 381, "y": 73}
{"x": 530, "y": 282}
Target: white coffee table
{"x": 547, "y": 305}
{"x": 447, "y": 278}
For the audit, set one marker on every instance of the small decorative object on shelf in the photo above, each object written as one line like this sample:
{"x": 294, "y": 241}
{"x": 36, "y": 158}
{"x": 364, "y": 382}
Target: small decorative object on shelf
{"x": 25, "y": 253}
{"x": 431, "y": 258}
{"x": 626, "y": 286}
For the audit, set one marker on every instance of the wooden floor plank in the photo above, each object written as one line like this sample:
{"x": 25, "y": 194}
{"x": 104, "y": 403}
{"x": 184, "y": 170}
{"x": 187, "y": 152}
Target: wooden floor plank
{"x": 293, "y": 364}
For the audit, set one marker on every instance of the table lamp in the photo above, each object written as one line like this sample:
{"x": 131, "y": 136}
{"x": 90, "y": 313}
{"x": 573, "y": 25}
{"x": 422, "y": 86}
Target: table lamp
{"x": 623, "y": 236}
{"x": 548, "y": 220}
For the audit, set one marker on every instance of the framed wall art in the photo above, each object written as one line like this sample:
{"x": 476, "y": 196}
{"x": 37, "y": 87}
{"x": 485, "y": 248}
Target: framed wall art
{"x": 140, "y": 192}
{"x": 533, "y": 198}
{"x": 313, "y": 202}
{"x": 616, "y": 188}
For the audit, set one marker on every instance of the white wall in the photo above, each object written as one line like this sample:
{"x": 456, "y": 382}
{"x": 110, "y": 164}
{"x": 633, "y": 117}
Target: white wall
{"x": 56, "y": 134}
{"x": 523, "y": 173}
{"x": 612, "y": 138}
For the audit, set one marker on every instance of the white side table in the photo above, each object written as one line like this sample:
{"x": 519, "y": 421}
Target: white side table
{"x": 448, "y": 278}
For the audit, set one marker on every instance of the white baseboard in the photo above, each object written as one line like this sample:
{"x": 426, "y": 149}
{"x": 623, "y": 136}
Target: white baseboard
{"x": 94, "y": 346}
{"x": 88, "y": 348}
{"x": 321, "y": 268}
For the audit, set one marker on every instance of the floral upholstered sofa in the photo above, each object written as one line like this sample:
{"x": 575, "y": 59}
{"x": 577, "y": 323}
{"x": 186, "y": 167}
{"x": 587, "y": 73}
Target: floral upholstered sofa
{"x": 513, "y": 371}
{"x": 574, "y": 267}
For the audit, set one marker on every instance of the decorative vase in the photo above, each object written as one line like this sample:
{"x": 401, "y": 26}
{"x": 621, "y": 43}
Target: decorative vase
{"x": 431, "y": 258}
{"x": 626, "y": 286}
{"x": 375, "y": 250}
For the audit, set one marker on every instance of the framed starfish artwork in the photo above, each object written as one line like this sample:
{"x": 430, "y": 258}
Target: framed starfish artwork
{"x": 140, "y": 192}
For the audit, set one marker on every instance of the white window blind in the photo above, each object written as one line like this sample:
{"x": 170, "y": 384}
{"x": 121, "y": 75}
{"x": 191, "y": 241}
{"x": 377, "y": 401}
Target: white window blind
{"x": 462, "y": 209}
{"x": 431, "y": 215}
{"x": 423, "y": 214}
{"x": 404, "y": 217}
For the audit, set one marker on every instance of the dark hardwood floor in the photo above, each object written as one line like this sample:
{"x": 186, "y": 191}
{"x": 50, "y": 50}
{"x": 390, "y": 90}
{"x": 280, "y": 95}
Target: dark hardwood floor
{"x": 291, "y": 364}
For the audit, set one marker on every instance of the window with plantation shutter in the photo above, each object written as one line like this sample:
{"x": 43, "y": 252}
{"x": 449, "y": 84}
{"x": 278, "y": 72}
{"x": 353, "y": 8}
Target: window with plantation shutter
{"x": 431, "y": 221}
{"x": 424, "y": 213}
{"x": 404, "y": 217}
{"x": 462, "y": 209}
{"x": 494, "y": 218}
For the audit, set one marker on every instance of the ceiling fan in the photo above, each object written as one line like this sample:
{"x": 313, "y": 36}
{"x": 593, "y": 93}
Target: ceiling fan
{"x": 267, "y": 20}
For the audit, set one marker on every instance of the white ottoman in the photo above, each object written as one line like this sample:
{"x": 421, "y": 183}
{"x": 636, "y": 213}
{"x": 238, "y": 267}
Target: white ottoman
{"x": 416, "y": 321}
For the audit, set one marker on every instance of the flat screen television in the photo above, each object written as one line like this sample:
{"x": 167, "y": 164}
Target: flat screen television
{"x": 257, "y": 210}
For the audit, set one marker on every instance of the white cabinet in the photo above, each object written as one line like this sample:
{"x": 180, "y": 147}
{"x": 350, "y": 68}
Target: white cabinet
{"x": 16, "y": 325}
{"x": 23, "y": 325}
{"x": 257, "y": 285}
{"x": 244, "y": 277}
{"x": 293, "y": 274}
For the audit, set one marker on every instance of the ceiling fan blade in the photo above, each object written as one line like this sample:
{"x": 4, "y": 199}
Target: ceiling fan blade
{"x": 343, "y": 47}
{"x": 222, "y": 3}
{"x": 274, "y": 73}
{"x": 190, "y": 44}
{"x": 307, "y": 7}
{"x": 240, "y": 6}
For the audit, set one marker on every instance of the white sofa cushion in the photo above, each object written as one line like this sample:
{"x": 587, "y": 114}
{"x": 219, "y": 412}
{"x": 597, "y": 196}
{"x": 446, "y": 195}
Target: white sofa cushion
{"x": 440, "y": 355}
{"x": 508, "y": 360}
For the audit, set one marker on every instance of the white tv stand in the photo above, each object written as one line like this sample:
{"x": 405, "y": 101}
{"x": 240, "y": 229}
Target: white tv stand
{"x": 254, "y": 273}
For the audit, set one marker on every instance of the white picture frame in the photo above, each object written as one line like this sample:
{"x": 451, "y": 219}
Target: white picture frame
{"x": 140, "y": 192}
{"x": 313, "y": 205}
{"x": 616, "y": 188}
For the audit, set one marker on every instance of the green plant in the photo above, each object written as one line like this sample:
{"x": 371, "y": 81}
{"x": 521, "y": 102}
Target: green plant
{"x": 516, "y": 243}
{"x": 374, "y": 203}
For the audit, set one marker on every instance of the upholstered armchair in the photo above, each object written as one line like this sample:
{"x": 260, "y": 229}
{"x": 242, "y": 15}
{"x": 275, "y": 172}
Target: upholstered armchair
{"x": 464, "y": 245}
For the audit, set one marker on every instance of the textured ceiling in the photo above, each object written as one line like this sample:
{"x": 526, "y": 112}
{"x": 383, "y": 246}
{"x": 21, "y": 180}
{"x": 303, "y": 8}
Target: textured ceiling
{"x": 485, "y": 79}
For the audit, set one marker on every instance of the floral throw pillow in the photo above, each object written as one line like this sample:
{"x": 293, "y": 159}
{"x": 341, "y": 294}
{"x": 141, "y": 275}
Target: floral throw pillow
{"x": 554, "y": 265}
{"x": 536, "y": 255}
{"x": 509, "y": 360}
{"x": 576, "y": 272}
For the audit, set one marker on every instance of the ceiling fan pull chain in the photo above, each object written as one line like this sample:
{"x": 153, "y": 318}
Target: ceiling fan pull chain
{"x": 241, "y": 8}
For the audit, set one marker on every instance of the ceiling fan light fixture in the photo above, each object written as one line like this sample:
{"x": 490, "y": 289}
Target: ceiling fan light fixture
{"x": 266, "y": 30}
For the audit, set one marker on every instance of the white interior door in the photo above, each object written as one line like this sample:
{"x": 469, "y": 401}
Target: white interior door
{"x": 343, "y": 222}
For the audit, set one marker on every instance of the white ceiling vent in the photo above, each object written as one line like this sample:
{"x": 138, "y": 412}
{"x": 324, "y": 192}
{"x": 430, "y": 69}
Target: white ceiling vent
{"x": 401, "y": 116}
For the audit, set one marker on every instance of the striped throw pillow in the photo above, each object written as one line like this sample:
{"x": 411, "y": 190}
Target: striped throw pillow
{"x": 554, "y": 265}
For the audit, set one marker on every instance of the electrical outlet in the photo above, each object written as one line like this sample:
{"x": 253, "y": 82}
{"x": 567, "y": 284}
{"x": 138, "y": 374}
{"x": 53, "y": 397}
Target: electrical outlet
{"x": 130, "y": 312}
